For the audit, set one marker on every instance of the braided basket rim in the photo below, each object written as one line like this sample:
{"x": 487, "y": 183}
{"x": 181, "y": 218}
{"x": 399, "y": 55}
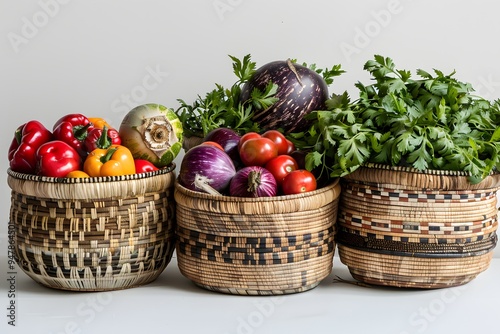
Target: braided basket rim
{"x": 70, "y": 189}
{"x": 405, "y": 176}
{"x": 415, "y": 170}
{"x": 95, "y": 179}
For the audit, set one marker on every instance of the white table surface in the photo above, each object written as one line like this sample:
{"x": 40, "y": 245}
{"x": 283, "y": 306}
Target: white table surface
{"x": 173, "y": 304}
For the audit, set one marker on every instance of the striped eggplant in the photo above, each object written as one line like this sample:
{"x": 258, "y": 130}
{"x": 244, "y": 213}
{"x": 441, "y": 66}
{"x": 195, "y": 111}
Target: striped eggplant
{"x": 300, "y": 91}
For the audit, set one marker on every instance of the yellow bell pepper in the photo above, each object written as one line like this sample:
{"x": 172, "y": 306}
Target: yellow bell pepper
{"x": 99, "y": 122}
{"x": 113, "y": 161}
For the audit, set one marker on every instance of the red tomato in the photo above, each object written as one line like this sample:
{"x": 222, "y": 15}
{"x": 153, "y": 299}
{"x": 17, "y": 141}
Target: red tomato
{"x": 258, "y": 151}
{"x": 291, "y": 147}
{"x": 279, "y": 139}
{"x": 247, "y": 136}
{"x": 298, "y": 181}
{"x": 281, "y": 166}
{"x": 212, "y": 143}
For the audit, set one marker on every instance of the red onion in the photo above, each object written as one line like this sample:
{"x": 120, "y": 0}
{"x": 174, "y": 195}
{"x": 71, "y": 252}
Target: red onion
{"x": 253, "y": 181}
{"x": 227, "y": 138}
{"x": 206, "y": 169}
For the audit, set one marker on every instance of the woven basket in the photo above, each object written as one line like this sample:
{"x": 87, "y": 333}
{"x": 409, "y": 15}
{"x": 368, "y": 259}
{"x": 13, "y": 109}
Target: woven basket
{"x": 256, "y": 246}
{"x": 93, "y": 234}
{"x": 404, "y": 228}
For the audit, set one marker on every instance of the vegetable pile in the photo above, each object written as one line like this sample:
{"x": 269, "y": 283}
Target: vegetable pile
{"x": 434, "y": 122}
{"x": 80, "y": 146}
{"x": 278, "y": 131}
{"x": 251, "y": 165}
{"x": 244, "y": 148}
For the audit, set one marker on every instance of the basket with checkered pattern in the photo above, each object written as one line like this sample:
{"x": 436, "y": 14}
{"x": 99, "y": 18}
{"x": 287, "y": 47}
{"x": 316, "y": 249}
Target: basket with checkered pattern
{"x": 256, "y": 246}
{"x": 406, "y": 228}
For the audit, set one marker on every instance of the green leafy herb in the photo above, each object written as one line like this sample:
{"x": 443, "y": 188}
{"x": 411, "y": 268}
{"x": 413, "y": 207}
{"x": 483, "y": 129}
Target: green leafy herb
{"x": 434, "y": 122}
{"x": 222, "y": 107}
{"x": 327, "y": 74}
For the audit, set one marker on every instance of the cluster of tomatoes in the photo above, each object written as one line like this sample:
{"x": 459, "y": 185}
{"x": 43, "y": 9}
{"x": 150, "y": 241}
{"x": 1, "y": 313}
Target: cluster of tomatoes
{"x": 274, "y": 152}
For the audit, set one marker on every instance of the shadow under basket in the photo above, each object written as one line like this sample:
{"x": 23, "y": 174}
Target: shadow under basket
{"x": 404, "y": 228}
{"x": 256, "y": 246}
{"x": 93, "y": 234}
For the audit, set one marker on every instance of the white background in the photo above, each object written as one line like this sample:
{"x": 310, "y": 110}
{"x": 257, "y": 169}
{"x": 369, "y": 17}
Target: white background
{"x": 102, "y": 58}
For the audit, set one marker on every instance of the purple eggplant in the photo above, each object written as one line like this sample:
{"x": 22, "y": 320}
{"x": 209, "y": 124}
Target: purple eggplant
{"x": 300, "y": 91}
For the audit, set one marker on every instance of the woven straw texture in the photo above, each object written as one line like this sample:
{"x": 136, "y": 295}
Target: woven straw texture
{"x": 93, "y": 234}
{"x": 404, "y": 228}
{"x": 256, "y": 246}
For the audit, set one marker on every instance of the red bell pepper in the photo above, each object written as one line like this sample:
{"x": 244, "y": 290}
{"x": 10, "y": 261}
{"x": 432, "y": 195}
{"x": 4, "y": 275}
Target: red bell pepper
{"x": 27, "y": 139}
{"x": 144, "y": 166}
{"x": 56, "y": 159}
{"x": 101, "y": 138}
{"x": 73, "y": 129}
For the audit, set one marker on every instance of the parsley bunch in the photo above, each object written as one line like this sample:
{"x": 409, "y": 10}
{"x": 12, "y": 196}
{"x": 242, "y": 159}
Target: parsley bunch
{"x": 434, "y": 122}
{"x": 222, "y": 107}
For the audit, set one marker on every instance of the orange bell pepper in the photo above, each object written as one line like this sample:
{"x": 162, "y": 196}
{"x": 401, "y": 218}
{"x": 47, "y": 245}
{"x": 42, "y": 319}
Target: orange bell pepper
{"x": 77, "y": 174}
{"x": 99, "y": 122}
{"x": 113, "y": 161}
